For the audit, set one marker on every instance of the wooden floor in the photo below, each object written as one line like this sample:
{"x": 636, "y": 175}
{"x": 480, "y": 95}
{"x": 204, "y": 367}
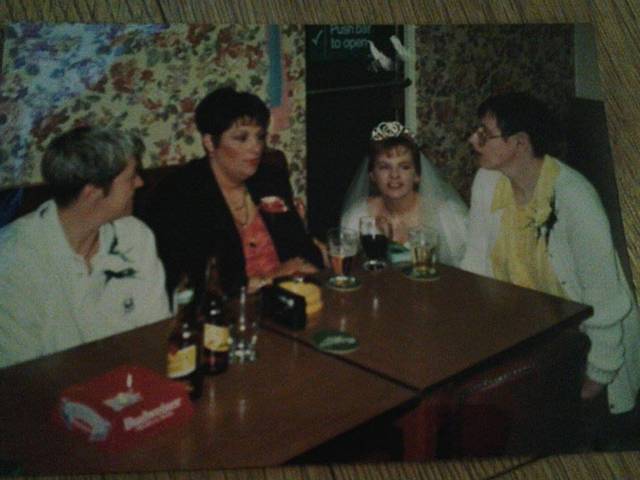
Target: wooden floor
{"x": 605, "y": 466}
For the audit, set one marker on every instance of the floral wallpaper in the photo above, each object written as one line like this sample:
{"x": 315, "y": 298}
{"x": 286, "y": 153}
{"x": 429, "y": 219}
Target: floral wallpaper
{"x": 150, "y": 77}
{"x": 460, "y": 66}
{"x": 147, "y": 78}
{"x": 289, "y": 121}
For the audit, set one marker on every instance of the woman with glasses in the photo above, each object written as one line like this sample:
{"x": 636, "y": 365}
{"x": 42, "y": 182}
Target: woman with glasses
{"x": 397, "y": 182}
{"x": 537, "y": 223}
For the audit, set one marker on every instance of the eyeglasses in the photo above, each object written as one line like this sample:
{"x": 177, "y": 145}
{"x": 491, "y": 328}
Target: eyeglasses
{"x": 483, "y": 138}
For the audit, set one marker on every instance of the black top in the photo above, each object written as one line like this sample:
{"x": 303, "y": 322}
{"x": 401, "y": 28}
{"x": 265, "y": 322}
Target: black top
{"x": 192, "y": 221}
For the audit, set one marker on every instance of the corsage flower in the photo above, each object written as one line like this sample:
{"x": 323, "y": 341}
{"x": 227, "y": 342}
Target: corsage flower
{"x": 273, "y": 204}
{"x": 544, "y": 218}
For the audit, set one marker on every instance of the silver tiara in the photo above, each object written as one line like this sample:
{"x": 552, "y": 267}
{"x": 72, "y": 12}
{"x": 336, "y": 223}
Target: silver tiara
{"x": 386, "y": 130}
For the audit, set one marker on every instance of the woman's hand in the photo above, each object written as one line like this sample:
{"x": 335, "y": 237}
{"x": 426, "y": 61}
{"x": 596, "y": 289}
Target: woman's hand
{"x": 294, "y": 266}
{"x": 590, "y": 389}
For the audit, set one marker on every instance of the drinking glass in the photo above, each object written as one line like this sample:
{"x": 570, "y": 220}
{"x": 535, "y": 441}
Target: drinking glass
{"x": 374, "y": 237}
{"x": 245, "y": 316}
{"x": 423, "y": 242}
{"x": 343, "y": 247}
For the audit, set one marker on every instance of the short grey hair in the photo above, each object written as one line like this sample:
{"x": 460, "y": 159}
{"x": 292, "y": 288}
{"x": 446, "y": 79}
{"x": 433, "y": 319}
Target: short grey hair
{"x": 87, "y": 155}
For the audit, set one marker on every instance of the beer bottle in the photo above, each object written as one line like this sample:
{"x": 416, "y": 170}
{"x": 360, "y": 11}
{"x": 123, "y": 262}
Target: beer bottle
{"x": 183, "y": 358}
{"x": 215, "y": 338}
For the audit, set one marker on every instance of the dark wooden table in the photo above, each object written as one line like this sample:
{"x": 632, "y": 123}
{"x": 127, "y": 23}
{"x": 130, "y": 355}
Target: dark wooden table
{"x": 421, "y": 333}
{"x": 412, "y": 336}
{"x": 289, "y": 401}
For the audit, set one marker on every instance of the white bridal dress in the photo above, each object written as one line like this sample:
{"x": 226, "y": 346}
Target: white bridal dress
{"x": 442, "y": 208}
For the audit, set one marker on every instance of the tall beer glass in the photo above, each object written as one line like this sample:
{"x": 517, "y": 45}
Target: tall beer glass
{"x": 423, "y": 242}
{"x": 374, "y": 236}
{"x": 343, "y": 247}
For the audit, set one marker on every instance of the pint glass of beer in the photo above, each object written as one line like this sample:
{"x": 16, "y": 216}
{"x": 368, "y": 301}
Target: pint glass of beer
{"x": 343, "y": 247}
{"x": 423, "y": 242}
{"x": 374, "y": 237}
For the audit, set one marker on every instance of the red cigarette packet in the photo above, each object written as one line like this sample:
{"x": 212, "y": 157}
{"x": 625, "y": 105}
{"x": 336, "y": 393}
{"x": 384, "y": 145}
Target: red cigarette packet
{"x": 122, "y": 406}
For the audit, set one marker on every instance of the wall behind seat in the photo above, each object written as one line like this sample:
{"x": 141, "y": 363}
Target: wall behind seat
{"x": 143, "y": 77}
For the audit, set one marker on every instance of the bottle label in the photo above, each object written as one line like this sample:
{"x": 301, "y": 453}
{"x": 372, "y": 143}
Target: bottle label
{"x": 216, "y": 338}
{"x": 181, "y": 362}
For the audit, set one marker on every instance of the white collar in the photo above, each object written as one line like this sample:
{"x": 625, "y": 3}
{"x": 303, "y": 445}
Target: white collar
{"x": 53, "y": 231}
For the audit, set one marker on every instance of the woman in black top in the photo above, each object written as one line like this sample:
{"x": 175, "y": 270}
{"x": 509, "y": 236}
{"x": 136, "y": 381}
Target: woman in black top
{"x": 233, "y": 203}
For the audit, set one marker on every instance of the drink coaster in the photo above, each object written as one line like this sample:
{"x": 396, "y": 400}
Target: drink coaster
{"x": 344, "y": 284}
{"x": 334, "y": 341}
{"x": 420, "y": 277}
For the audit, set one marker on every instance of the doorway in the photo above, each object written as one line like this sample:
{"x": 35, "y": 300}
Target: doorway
{"x": 348, "y": 93}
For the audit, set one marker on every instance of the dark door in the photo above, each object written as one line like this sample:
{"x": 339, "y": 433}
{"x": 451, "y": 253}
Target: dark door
{"x": 348, "y": 93}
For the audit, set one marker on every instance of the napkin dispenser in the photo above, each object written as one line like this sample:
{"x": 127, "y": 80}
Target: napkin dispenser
{"x": 284, "y": 307}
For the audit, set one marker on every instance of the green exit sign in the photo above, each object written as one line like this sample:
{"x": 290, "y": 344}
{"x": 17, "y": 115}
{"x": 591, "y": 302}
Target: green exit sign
{"x": 327, "y": 43}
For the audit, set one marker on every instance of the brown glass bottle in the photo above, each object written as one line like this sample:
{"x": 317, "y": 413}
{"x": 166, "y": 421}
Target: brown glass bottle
{"x": 184, "y": 355}
{"x": 215, "y": 328}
